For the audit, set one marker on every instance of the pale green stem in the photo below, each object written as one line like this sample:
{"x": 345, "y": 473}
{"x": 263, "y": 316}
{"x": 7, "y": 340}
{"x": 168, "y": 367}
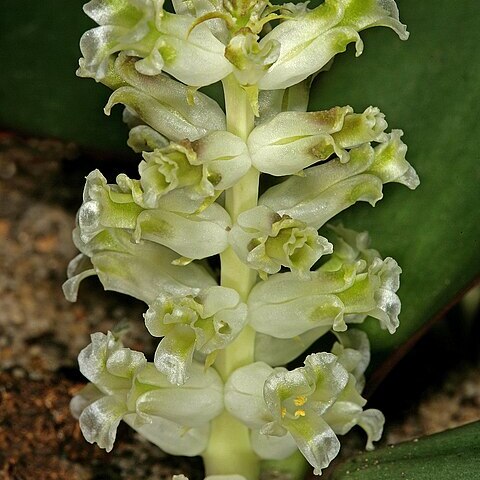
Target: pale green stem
{"x": 229, "y": 450}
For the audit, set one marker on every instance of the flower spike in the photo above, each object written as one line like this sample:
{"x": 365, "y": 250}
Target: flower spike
{"x": 228, "y": 258}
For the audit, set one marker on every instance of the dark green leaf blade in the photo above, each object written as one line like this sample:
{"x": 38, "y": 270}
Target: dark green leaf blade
{"x": 39, "y": 92}
{"x": 453, "y": 454}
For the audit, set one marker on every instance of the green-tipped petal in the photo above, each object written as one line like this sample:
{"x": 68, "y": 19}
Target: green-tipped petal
{"x": 317, "y": 442}
{"x": 325, "y": 190}
{"x": 207, "y": 322}
{"x": 390, "y": 164}
{"x": 168, "y": 106}
{"x": 292, "y": 141}
{"x": 267, "y": 241}
{"x": 313, "y": 37}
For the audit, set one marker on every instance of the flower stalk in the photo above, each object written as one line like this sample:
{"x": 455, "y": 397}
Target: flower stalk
{"x": 229, "y": 450}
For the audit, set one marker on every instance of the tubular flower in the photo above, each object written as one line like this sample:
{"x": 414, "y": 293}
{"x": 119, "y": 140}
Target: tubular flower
{"x": 140, "y": 270}
{"x": 307, "y": 407}
{"x": 336, "y": 294}
{"x": 124, "y": 386}
{"x": 113, "y": 206}
{"x": 312, "y": 38}
{"x": 267, "y": 241}
{"x": 186, "y": 177}
{"x": 206, "y": 323}
{"x": 163, "y": 41}
{"x": 292, "y": 141}
{"x": 325, "y": 190}
{"x": 174, "y": 110}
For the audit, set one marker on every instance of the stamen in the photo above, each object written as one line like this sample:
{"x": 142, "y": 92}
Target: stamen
{"x": 300, "y": 400}
{"x": 299, "y": 413}
{"x": 284, "y": 412}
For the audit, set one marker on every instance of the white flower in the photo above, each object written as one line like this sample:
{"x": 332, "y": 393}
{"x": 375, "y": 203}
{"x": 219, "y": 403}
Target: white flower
{"x": 338, "y": 293}
{"x": 193, "y": 236}
{"x": 125, "y": 387}
{"x": 163, "y": 41}
{"x": 206, "y": 322}
{"x": 310, "y": 39}
{"x": 292, "y": 141}
{"x": 323, "y": 191}
{"x": 141, "y": 270}
{"x": 174, "y": 110}
{"x": 307, "y": 407}
{"x": 267, "y": 241}
{"x": 188, "y": 176}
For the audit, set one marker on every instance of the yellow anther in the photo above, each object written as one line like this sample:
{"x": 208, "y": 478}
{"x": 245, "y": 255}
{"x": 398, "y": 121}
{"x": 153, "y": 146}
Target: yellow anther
{"x": 300, "y": 400}
{"x": 299, "y": 413}
{"x": 284, "y": 412}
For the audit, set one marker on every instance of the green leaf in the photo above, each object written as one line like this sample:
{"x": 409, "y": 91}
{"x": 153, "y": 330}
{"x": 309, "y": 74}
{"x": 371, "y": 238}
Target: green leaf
{"x": 429, "y": 87}
{"x": 453, "y": 454}
{"x": 39, "y": 92}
